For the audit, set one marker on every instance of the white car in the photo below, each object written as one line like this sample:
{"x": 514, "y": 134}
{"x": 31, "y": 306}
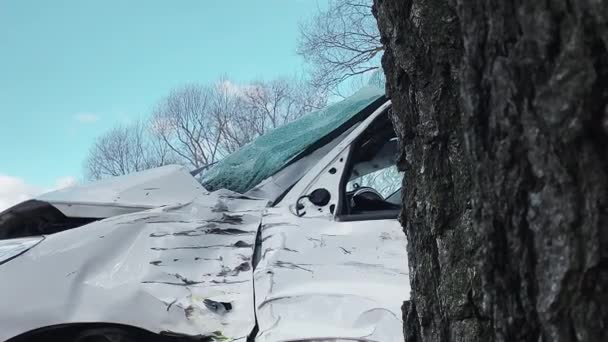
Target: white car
{"x": 292, "y": 238}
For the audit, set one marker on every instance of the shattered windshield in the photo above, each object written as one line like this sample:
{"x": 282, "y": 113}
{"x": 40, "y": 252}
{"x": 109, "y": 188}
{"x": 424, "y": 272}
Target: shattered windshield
{"x": 268, "y": 154}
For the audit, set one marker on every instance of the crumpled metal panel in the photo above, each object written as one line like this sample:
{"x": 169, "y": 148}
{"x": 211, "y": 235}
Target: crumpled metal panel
{"x": 185, "y": 268}
{"x": 319, "y": 278}
{"x": 165, "y": 185}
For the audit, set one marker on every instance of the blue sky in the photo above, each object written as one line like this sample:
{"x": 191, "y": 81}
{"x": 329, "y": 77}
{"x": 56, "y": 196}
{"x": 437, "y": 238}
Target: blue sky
{"x": 72, "y": 69}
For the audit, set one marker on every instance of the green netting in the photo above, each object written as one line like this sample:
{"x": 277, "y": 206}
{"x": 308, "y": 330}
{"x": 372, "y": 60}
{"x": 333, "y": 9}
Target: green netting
{"x": 268, "y": 154}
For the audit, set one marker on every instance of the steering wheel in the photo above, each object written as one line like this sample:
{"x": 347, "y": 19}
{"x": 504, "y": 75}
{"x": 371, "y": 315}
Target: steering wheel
{"x": 364, "y": 198}
{"x": 367, "y": 193}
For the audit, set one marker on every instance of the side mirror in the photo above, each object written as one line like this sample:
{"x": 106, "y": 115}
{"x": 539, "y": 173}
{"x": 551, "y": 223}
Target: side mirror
{"x": 319, "y": 197}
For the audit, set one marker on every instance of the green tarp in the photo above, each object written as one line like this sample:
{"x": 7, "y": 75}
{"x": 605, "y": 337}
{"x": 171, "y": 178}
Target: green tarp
{"x": 268, "y": 154}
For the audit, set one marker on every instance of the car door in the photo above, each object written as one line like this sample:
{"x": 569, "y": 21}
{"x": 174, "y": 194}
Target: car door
{"x": 329, "y": 269}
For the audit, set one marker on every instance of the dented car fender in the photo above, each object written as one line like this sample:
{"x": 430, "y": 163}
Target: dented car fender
{"x": 185, "y": 268}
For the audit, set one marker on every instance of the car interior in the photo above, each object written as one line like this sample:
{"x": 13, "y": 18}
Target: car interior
{"x": 372, "y": 184}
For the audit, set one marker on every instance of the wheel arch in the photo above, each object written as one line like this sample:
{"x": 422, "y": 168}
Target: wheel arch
{"x": 94, "y": 331}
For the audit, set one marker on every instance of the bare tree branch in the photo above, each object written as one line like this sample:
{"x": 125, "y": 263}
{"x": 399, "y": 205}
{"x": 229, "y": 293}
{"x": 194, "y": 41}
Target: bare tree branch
{"x": 340, "y": 42}
{"x": 184, "y": 122}
{"x": 264, "y": 105}
{"x": 125, "y": 149}
{"x": 197, "y": 125}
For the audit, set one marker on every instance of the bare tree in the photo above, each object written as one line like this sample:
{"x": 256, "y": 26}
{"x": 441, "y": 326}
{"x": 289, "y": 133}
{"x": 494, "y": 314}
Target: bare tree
{"x": 125, "y": 149}
{"x": 184, "y": 122}
{"x": 341, "y": 42}
{"x": 277, "y": 102}
{"x": 228, "y": 110}
{"x": 198, "y": 125}
{"x": 256, "y": 108}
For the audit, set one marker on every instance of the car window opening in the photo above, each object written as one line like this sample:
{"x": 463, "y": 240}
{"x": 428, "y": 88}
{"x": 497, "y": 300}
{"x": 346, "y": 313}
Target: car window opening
{"x": 372, "y": 184}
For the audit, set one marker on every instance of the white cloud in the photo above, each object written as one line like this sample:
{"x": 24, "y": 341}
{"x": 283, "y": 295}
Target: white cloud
{"x": 229, "y": 87}
{"x": 64, "y": 182}
{"x": 232, "y": 88}
{"x": 14, "y": 190}
{"x": 86, "y": 117}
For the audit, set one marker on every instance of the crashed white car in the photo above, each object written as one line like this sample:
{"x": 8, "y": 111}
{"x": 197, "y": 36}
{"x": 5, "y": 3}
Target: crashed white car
{"x": 292, "y": 238}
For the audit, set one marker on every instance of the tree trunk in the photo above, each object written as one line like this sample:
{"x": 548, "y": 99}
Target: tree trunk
{"x": 502, "y": 112}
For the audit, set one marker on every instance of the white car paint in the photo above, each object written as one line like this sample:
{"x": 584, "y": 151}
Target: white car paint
{"x": 166, "y": 185}
{"x": 320, "y": 278}
{"x": 153, "y": 269}
{"x": 180, "y": 247}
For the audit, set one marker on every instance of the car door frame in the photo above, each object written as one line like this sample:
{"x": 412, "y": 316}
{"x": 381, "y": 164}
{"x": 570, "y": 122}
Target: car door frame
{"x": 286, "y": 257}
{"x": 329, "y": 173}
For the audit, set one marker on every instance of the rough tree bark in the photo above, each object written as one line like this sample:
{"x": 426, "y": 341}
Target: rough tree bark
{"x": 501, "y": 107}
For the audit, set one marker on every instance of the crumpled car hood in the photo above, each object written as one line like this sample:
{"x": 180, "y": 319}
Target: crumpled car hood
{"x": 187, "y": 267}
{"x": 184, "y": 268}
{"x": 166, "y": 185}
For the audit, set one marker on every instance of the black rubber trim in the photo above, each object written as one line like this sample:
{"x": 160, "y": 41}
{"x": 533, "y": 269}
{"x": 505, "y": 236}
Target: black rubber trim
{"x": 377, "y": 215}
{"x": 36, "y": 218}
{"x": 70, "y": 332}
